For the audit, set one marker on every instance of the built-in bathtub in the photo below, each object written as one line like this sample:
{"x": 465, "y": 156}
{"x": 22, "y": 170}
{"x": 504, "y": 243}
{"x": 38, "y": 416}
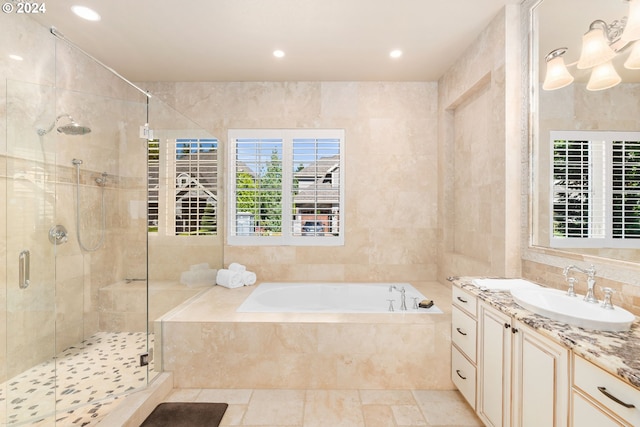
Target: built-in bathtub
{"x": 207, "y": 343}
{"x": 282, "y": 297}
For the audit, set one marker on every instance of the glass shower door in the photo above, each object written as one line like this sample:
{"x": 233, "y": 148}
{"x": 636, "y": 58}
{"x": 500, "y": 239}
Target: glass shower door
{"x": 30, "y": 257}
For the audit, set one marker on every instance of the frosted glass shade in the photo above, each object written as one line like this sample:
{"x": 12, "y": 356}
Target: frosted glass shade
{"x": 557, "y": 74}
{"x": 633, "y": 61}
{"x": 595, "y": 49}
{"x": 632, "y": 28}
{"x": 603, "y": 76}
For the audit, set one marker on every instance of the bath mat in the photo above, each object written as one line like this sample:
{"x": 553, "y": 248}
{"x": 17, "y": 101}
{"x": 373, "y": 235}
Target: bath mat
{"x": 191, "y": 414}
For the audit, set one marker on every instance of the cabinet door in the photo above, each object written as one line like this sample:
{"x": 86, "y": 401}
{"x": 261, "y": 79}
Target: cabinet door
{"x": 494, "y": 367}
{"x": 540, "y": 380}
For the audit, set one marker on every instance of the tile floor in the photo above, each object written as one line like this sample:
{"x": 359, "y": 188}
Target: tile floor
{"x": 69, "y": 381}
{"x": 335, "y": 408}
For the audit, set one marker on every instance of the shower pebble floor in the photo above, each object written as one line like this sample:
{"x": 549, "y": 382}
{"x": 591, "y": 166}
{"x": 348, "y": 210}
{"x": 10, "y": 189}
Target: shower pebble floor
{"x": 106, "y": 364}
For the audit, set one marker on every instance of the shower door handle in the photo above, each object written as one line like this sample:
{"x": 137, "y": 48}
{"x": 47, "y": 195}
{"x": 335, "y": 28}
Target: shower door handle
{"x": 24, "y": 267}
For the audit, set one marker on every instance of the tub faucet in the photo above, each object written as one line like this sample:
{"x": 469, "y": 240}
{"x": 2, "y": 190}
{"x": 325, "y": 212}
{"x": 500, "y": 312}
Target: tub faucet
{"x": 591, "y": 280}
{"x": 403, "y": 297}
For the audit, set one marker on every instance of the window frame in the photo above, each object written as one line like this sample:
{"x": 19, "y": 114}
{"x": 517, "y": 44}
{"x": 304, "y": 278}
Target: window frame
{"x": 600, "y": 179}
{"x": 287, "y": 238}
{"x": 167, "y": 184}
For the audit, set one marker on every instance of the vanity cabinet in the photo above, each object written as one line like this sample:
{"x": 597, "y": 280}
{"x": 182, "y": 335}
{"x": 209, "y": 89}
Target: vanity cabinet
{"x": 464, "y": 340}
{"x": 523, "y": 377}
{"x": 599, "y": 399}
{"x": 494, "y": 367}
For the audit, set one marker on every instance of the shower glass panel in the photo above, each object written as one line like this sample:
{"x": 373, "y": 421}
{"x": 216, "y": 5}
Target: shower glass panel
{"x": 76, "y": 224}
{"x": 29, "y": 375}
{"x": 184, "y": 207}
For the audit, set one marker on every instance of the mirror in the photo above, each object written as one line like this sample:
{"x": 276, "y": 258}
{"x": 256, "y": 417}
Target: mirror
{"x": 561, "y": 23}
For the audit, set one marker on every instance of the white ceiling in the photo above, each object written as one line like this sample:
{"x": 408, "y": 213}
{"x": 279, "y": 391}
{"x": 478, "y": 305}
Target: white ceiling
{"x": 233, "y": 40}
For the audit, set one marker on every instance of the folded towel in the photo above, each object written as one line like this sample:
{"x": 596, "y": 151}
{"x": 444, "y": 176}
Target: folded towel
{"x": 248, "y": 278}
{"x": 229, "y": 279}
{"x": 197, "y": 278}
{"x": 234, "y": 266}
{"x": 203, "y": 266}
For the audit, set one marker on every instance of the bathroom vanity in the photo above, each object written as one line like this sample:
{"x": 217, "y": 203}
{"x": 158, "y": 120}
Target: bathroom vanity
{"x": 516, "y": 368}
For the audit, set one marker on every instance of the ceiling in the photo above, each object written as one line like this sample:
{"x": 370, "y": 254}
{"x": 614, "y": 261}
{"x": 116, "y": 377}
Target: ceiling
{"x": 233, "y": 40}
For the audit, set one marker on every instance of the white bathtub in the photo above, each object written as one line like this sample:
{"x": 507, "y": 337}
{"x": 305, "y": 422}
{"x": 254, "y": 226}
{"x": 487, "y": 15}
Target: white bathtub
{"x": 332, "y": 298}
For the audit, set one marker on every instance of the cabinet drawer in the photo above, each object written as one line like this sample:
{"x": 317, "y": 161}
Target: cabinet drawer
{"x": 463, "y": 375}
{"x": 465, "y": 301}
{"x": 606, "y": 389}
{"x": 463, "y": 332}
{"x": 586, "y": 414}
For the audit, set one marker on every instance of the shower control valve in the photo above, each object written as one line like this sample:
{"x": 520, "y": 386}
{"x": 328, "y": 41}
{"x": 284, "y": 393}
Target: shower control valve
{"x": 58, "y": 235}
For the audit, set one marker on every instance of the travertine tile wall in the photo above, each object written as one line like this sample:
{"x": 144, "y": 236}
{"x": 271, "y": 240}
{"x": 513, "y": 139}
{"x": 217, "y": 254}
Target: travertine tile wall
{"x": 391, "y": 172}
{"x": 479, "y": 155}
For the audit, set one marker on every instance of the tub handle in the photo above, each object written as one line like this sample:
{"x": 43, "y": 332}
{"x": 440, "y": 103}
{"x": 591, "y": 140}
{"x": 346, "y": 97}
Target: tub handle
{"x": 24, "y": 269}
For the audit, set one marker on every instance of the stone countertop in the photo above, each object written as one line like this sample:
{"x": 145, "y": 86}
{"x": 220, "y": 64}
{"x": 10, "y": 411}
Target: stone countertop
{"x": 615, "y": 352}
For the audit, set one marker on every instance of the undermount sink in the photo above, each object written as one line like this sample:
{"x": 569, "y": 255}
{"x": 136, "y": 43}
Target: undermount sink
{"x": 557, "y": 305}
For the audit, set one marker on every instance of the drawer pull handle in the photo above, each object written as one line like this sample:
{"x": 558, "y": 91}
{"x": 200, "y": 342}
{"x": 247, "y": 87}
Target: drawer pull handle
{"x": 460, "y": 375}
{"x": 462, "y": 300}
{"x": 461, "y": 332}
{"x": 604, "y": 391}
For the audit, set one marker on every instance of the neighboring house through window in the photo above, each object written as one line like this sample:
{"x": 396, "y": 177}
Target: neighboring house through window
{"x": 286, "y": 187}
{"x": 187, "y": 204}
{"x": 595, "y": 189}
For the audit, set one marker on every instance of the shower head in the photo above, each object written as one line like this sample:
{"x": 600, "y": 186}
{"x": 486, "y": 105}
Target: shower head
{"x": 72, "y": 128}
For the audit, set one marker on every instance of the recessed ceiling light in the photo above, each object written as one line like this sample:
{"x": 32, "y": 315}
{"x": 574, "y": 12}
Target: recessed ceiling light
{"x": 397, "y": 53}
{"x": 278, "y": 53}
{"x": 16, "y": 57}
{"x": 85, "y": 13}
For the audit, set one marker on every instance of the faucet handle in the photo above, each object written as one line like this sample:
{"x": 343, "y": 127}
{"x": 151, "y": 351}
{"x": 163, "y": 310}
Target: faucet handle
{"x": 606, "y": 303}
{"x": 572, "y": 283}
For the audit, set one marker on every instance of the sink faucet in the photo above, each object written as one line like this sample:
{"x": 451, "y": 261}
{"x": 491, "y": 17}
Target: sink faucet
{"x": 591, "y": 280}
{"x": 403, "y": 298}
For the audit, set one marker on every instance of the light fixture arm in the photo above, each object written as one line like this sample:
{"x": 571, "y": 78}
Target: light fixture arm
{"x": 612, "y": 31}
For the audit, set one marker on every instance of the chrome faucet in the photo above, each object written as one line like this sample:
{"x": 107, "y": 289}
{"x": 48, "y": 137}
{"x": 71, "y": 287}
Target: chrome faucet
{"x": 403, "y": 297}
{"x": 591, "y": 280}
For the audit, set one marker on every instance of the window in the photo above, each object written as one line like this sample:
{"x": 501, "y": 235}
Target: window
{"x": 189, "y": 169}
{"x": 286, "y": 187}
{"x": 595, "y": 189}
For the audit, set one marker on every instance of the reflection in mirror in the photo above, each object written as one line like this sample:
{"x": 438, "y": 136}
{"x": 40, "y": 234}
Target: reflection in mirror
{"x": 573, "y": 107}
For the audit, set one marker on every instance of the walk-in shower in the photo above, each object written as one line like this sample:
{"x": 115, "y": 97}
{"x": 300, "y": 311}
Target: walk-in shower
{"x": 78, "y": 316}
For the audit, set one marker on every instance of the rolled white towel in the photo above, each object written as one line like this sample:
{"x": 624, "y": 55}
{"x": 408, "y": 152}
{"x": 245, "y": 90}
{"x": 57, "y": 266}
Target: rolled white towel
{"x": 229, "y": 279}
{"x": 234, "y": 266}
{"x": 248, "y": 278}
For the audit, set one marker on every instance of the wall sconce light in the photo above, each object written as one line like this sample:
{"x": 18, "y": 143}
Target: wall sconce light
{"x": 600, "y": 44}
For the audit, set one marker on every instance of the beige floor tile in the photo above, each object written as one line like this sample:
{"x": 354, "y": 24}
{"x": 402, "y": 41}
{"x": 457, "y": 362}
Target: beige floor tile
{"x": 408, "y": 415}
{"x": 333, "y": 408}
{"x": 275, "y": 408}
{"x": 233, "y": 415}
{"x": 378, "y": 416}
{"x": 445, "y": 408}
{"x": 183, "y": 395}
{"x": 230, "y": 396}
{"x": 387, "y": 397}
